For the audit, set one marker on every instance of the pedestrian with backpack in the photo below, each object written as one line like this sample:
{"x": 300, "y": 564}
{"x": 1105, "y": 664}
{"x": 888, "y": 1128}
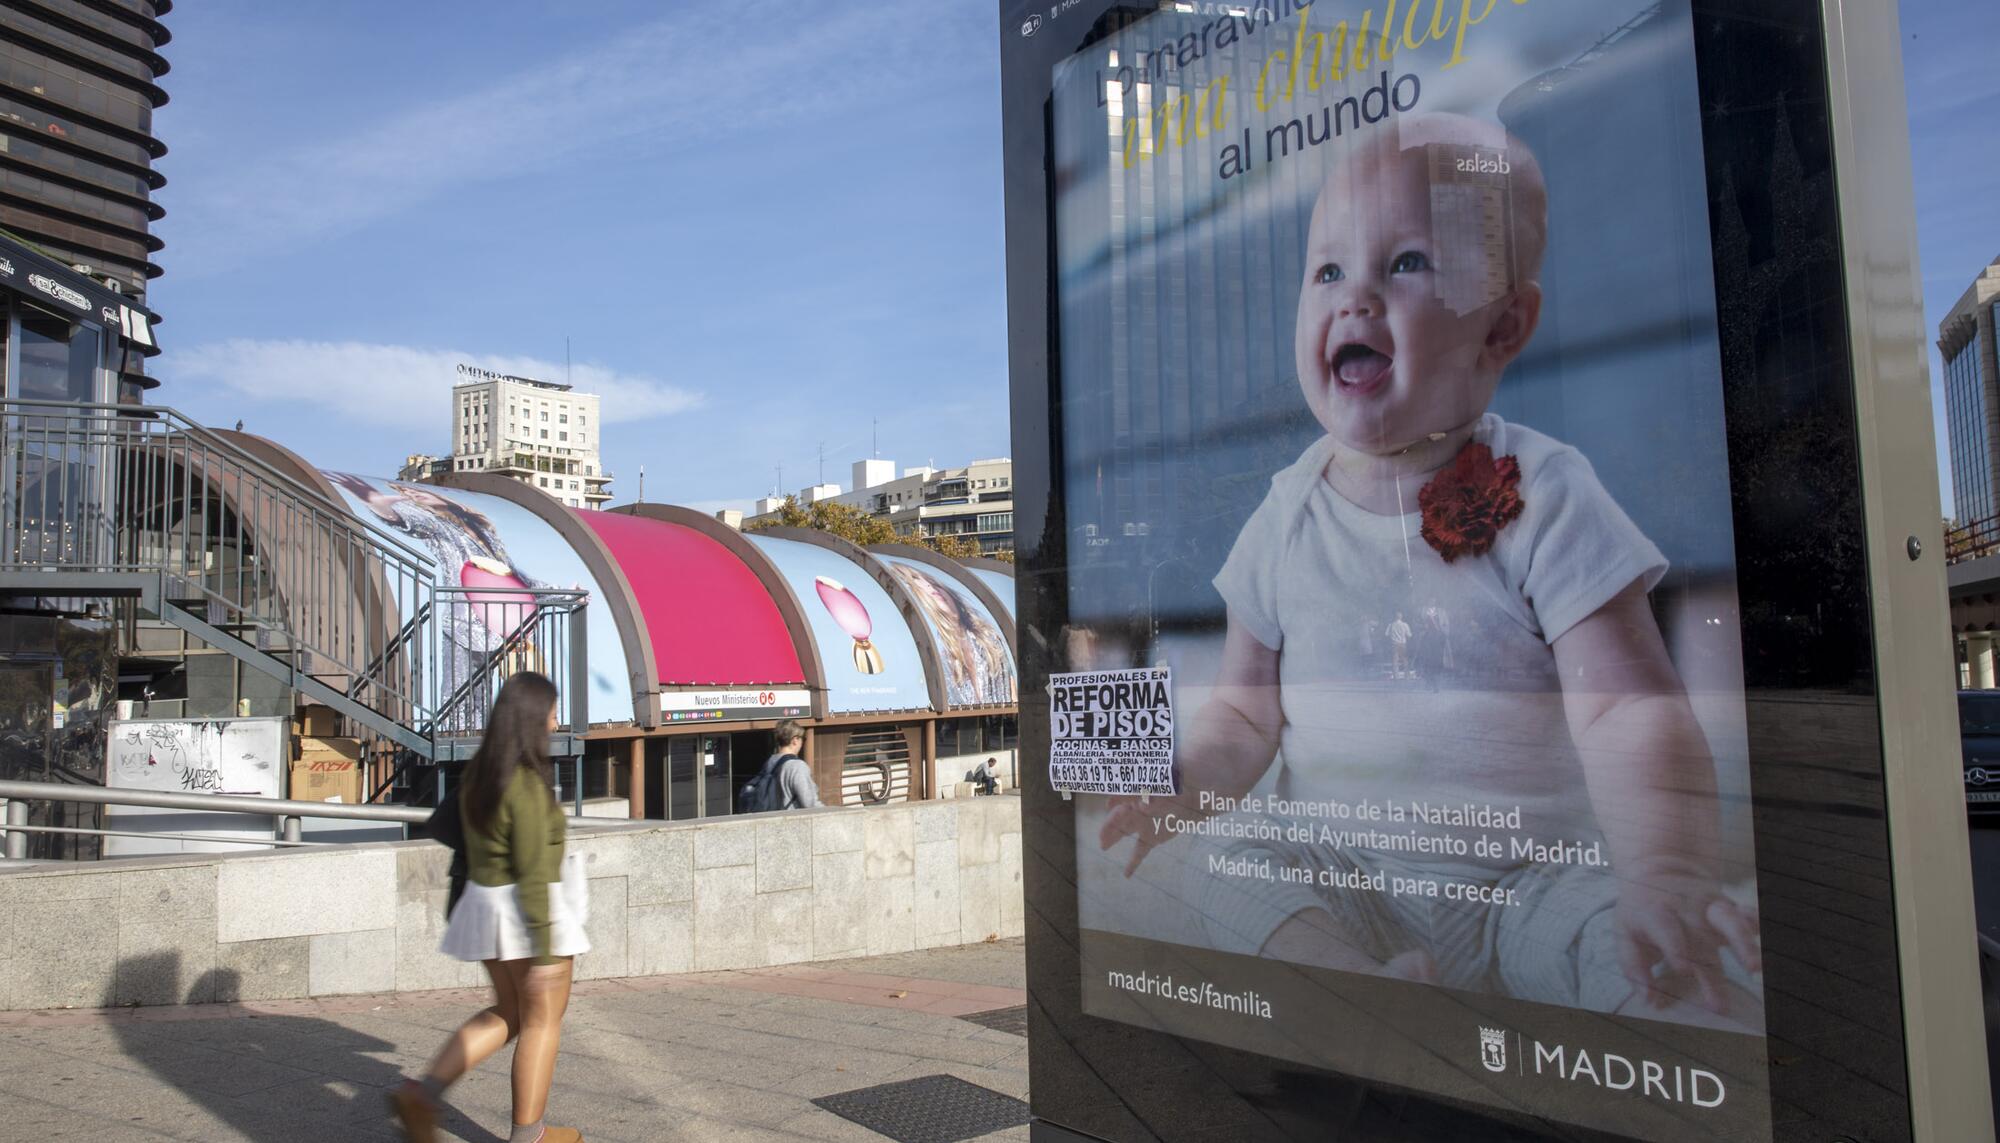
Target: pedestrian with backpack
{"x": 786, "y": 781}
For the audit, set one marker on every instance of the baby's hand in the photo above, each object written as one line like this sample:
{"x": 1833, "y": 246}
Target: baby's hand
{"x": 1140, "y": 818}
{"x": 1669, "y": 912}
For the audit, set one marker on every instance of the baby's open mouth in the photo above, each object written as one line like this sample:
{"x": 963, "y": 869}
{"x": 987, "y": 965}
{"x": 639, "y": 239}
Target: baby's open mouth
{"x": 1358, "y": 366}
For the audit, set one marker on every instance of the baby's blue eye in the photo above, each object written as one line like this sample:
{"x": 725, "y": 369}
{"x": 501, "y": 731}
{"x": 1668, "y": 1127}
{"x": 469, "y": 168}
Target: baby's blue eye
{"x": 1327, "y": 273}
{"x": 1409, "y": 262}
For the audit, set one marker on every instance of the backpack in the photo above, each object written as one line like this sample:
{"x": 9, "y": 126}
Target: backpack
{"x": 765, "y": 792}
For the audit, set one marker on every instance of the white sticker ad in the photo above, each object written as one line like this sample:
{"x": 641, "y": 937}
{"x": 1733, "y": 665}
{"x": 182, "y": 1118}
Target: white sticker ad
{"x": 1112, "y": 732}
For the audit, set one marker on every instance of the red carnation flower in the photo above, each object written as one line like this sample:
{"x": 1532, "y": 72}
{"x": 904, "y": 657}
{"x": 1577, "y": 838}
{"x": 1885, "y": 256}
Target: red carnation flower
{"x": 1467, "y": 503}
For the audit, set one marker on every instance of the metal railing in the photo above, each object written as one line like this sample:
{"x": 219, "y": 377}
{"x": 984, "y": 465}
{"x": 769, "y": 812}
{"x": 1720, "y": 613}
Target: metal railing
{"x": 287, "y": 815}
{"x": 256, "y": 563}
{"x": 241, "y": 546}
{"x": 1971, "y": 541}
{"x": 479, "y": 638}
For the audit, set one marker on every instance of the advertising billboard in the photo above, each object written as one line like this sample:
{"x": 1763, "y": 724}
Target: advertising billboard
{"x": 1398, "y": 516}
{"x": 978, "y": 665}
{"x": 709, "y": 619}
{"x": 1001, "y": 583}
{"x": 867, "y": 654}
{"x": 484, "y": 542}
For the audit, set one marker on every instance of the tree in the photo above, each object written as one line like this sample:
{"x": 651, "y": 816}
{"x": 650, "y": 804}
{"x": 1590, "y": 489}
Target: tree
{"x": 854, "y": 525}
{"x": 951, "y": 547}
{"x": 843, "y": 520}
{"x": 1005, "y": 557}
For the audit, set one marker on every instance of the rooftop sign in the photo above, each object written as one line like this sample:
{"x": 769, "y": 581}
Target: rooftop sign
{"x": 472, "y": 375}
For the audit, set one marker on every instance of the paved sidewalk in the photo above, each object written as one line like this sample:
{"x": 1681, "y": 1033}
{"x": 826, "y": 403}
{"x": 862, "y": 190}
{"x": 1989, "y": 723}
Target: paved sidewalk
{"x": 725, "y": 1057}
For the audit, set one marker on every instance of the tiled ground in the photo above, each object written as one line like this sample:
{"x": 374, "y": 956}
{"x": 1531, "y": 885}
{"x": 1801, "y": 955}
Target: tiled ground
{"x": 728, "y": 1056}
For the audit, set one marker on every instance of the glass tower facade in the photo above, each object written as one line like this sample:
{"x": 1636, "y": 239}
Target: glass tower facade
{"x": 1970, "y": 351}
{"x": 1966, "y": 419}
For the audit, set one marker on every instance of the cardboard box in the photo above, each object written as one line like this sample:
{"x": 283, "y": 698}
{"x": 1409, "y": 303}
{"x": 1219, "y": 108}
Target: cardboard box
{"x": 327, "y": 780}
{"x": 328, "y": 749}
{"x": 317, "y": 722}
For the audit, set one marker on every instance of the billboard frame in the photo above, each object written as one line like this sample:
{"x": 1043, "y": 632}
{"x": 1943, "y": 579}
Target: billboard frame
{"x": 1921, "y": 823}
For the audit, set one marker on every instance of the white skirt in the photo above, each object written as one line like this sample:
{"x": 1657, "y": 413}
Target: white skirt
{"x": 487, "y": 923}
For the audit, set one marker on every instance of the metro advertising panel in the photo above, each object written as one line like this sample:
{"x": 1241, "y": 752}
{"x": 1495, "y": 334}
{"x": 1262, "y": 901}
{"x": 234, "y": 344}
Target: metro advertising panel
{"x": 867, "y": 654}
{"x": 1398, "y": 501}
{"x": 480, "y": 541}
{"x": 978, "y": 665}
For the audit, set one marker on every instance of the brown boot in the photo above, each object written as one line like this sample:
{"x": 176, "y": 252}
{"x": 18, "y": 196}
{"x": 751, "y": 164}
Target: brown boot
{"x": 561, "y": 1135}
{"x": 413, "y": 1108}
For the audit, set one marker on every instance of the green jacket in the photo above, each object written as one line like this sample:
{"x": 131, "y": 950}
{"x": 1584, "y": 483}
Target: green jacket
{"x": 522, "y": 847}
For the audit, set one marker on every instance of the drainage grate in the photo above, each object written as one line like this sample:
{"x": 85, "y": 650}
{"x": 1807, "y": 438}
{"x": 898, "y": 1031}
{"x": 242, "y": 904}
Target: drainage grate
{"x": 1013, "y": 1020}
{"x": 930, "y": 1109}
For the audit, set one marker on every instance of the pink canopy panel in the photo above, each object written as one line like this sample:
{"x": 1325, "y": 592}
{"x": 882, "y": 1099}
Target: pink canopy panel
{"x": 711, "y": 621}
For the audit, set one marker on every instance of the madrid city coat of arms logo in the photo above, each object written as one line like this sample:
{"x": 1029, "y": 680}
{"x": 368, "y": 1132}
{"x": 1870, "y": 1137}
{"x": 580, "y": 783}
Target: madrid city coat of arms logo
{"x": 1493, "y": 1049}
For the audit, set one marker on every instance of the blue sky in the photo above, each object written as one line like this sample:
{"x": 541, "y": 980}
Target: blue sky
{"x": 1949, "y": 49}
{"x": 762, "y": 227}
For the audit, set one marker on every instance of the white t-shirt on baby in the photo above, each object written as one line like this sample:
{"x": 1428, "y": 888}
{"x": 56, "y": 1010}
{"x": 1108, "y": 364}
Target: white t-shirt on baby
{"x": 1310, "y": 569}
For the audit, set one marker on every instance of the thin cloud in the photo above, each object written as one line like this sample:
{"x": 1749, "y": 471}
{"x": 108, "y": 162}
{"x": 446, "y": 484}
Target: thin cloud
{"x": 397, "y": 386}
{"x": 670, "y": 83}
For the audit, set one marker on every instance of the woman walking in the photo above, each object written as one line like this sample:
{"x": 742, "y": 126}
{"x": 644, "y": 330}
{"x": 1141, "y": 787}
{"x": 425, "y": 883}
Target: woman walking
{"x": 519, "y": 916}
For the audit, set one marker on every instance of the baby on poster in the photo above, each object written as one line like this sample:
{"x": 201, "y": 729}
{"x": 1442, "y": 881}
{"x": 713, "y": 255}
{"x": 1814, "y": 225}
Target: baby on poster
{"x": 1524, "y": 673}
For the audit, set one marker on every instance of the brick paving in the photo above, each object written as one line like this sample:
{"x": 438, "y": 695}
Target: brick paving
{"x": 722, "y": 1056}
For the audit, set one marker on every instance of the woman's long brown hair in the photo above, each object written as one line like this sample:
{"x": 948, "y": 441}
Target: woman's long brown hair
{"x": 517, "y": 735}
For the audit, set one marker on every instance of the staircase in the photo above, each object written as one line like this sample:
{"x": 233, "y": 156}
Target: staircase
{"x": 141, "y": 505}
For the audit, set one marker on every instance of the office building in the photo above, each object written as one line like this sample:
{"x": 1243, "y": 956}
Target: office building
{"x": 540, "y": 433}
{"x": 419, "y": 467}
{"x": 1966, "y": 342}
{"x": 77, "y": 93}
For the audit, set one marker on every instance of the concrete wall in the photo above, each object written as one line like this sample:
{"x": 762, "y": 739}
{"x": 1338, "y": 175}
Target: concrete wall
{"x": 692, "y": 896}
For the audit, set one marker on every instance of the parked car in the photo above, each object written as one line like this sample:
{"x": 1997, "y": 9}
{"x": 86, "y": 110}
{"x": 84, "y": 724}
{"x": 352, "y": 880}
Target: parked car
{"x": 1979, "y": 747}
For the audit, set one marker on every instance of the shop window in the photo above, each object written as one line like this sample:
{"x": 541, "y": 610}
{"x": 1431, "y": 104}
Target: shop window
{"x": 58, "y": 362}
{"x": 966, "y": 736}
{"x": 1000, "y": 731}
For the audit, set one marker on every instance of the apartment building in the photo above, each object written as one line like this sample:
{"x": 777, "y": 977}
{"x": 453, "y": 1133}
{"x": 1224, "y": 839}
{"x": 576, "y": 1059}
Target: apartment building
{"x": 540, "y": 433}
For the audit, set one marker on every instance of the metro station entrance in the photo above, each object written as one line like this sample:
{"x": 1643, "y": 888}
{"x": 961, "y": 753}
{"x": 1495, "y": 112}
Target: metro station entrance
{"x": 697, "y": 775}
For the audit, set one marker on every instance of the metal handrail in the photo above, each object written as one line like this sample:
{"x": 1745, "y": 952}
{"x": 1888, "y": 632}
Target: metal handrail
{"x": 411, "y": 633}
{"x": 272, "y": 563}
{"x": 182, "y": 423}
{"x": 75, "y": 831}
{"x": 1972, "y": 540}
{"x": 224, "y": 803}
{"x": 553, "y": 609}
{"x": 553, "y": 640}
